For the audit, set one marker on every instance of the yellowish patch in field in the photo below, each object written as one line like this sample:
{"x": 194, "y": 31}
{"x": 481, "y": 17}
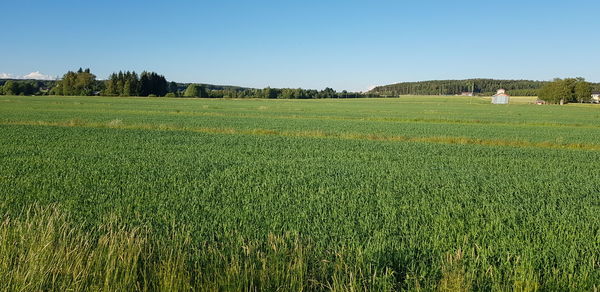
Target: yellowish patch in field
{"x": 115, "y": 123}
{"x": 523, "y": 99}
{"x": 314, "y": 134}
{"x": 342, "y": 118}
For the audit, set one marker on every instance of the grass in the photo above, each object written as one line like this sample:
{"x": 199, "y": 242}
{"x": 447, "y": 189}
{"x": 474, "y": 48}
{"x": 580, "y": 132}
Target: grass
{"x": 342, "y": 195}
{"x": 117, "y": 123}
{"x": 407, "y": 116}
{"x": 44, "y": 249}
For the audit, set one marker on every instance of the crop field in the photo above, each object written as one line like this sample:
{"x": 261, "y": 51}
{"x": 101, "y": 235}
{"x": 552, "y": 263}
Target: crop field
{"x": 411, "y": 193}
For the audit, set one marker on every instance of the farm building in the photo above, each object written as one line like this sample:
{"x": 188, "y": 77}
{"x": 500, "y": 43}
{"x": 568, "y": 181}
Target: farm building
{"x": 501, "y": 97}
{"x": 596, "y": 97}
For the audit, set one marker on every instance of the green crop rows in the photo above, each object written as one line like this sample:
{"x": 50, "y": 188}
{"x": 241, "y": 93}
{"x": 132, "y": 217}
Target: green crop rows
{"x": 386, "y": 194}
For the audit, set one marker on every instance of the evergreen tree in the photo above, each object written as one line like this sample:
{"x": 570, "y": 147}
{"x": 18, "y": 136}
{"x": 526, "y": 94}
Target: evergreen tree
{"x": 152, "y": 83}
{"x": 202, "y": 91}
{"x": 270, "y": 93}
{"x": 134, "y": 83}
{"x": 173, "y": 87}
{"x": 145, "y": 89}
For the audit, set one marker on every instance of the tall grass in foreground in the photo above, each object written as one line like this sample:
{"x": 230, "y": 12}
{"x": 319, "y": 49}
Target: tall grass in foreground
{"x": 44, "y": 250}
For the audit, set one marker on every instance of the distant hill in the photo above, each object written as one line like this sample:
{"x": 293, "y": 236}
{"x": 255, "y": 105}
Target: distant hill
{"x": 453, "y": 87}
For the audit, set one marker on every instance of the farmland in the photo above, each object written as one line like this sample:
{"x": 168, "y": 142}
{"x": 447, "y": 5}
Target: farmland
{"x": 378, "y": 194}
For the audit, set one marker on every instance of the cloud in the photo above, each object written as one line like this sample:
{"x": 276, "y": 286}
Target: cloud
{"x": 33, "y": 75}
{"x": 38, "y": 76}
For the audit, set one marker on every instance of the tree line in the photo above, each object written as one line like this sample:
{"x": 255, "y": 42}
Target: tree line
{"x": 129, "y": 84}
{"x": 84, "y": 83}
{"x": 566, "y": 90}
{"x": 452, "y": 87}
{"x": 18, "y": 87}
{"x": 483, "y": 87}
{"x": 197, "y": 90}
{"x": 25, "y": 87}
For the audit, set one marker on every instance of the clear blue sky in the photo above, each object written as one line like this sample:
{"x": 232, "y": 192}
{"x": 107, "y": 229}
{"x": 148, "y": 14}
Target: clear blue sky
{"x": 311, "y": 44}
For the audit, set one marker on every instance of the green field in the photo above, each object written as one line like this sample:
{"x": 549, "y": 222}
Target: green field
{"x": 366, "y": 194}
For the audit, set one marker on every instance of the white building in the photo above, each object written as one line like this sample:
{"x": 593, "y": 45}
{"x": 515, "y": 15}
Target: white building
{"x": 596, "y": 97}
{"x": 501, "y": 97}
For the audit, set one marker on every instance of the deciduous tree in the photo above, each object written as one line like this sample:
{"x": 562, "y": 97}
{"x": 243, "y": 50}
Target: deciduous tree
{"x": 583, "y": 91}
{"x": 193, "y": 90}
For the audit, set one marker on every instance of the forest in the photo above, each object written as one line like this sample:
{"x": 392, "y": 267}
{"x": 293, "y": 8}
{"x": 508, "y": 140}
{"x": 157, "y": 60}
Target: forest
{"x": 482, "y": 87}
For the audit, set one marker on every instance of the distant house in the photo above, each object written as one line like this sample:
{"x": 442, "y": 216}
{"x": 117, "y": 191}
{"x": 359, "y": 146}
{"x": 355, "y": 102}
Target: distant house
{"x": 467, "y": 94}
{"x": 596, "y": 97}
{"x": 501, "y": 97}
